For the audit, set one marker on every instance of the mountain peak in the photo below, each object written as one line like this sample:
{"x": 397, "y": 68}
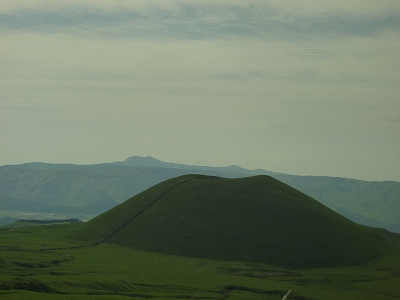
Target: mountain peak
{"x": 142, "y": 161}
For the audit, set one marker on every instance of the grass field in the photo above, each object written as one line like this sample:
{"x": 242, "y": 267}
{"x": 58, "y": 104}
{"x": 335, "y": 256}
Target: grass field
{"x": 39, "y": 262}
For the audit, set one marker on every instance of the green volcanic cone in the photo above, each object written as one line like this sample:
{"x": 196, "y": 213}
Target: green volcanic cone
{"x": 257, "y": 219}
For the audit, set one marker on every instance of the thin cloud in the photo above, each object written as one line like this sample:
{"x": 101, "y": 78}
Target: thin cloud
{"x": 193, "y": 19}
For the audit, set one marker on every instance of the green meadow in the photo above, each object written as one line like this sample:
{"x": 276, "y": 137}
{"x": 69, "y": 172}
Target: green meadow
{"x": 40, "y": 262}
{"x": 201, "y": 237}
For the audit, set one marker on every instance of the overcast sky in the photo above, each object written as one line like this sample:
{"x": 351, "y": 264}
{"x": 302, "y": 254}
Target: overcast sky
{"x": 297, "y": 87}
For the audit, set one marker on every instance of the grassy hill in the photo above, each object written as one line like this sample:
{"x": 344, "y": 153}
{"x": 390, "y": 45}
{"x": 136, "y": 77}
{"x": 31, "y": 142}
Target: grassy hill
{"x": 39, "y": 190}
{"x": 253, "y": 219}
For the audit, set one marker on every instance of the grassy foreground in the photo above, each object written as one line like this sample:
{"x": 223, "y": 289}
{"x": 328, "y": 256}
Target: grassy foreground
{"x": 39, "y": 262}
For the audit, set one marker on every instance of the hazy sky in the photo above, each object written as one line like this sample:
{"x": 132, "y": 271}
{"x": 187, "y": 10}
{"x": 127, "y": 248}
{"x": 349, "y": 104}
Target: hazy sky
{"x": 300, "y": 87}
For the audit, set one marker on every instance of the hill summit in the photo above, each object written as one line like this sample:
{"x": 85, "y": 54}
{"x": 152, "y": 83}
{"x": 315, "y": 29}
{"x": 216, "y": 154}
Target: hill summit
{"x": 257, "y": 219}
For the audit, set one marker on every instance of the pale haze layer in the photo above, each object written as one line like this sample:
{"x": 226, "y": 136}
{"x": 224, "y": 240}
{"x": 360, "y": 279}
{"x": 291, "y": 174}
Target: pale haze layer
{"x": 305, "y": 88}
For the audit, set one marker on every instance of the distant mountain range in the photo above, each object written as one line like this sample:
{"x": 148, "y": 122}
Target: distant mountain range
{"x": 84, "y": 191}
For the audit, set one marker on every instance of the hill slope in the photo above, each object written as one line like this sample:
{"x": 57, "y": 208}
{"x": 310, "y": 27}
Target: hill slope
{"x": 253, "y": 219}
{"x": 371, "y": 203}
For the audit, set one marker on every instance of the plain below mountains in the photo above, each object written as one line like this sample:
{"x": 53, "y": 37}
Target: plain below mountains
{"x": 255, "y": 219}
{"x": 84, "y": 191}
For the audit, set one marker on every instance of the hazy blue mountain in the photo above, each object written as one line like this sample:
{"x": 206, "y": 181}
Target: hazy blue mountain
{"x": 87, "y": 190}
{"x": 138, "y": 161}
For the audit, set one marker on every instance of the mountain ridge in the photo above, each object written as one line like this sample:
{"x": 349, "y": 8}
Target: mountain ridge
{"x": 149, "y": 161}
{"x": 77, "y": 188}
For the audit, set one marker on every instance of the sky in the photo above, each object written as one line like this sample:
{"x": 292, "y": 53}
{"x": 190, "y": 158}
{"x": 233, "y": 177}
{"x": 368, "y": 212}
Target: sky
{"x": 300, "y": 87}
